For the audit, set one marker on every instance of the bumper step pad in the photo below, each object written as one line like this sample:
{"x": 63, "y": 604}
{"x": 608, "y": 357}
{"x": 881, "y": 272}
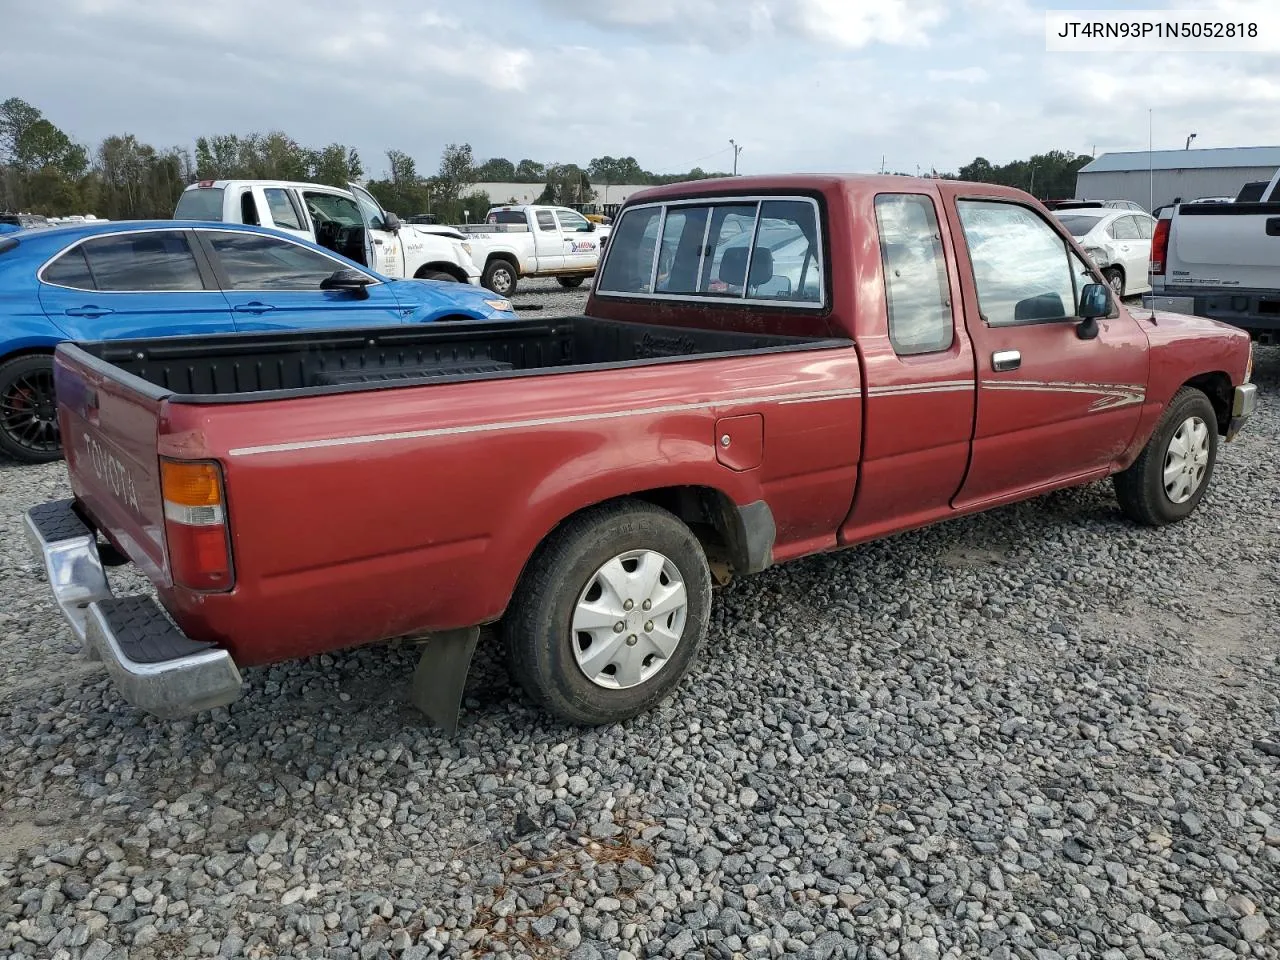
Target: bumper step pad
{"x": 154, "y": 665}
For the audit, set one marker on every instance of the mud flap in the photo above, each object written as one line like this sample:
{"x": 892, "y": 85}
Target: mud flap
{"x": 441, "y": 676}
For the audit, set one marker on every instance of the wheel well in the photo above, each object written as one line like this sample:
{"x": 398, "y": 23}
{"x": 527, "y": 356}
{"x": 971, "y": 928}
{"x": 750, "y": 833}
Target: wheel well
{"x": 452, "y": 269}
{"x": 1114, "y": 268}
{"x": 506, "y": 258}
{"x": 27, "y": 352}
{"x": 1217, "y": 387}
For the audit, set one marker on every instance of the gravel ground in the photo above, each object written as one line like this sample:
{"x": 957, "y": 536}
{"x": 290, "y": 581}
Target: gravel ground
{"x": 1037, "y": 733}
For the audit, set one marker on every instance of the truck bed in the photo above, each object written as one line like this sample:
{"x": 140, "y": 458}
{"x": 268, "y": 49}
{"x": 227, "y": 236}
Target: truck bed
{"x": 229, "y": 368}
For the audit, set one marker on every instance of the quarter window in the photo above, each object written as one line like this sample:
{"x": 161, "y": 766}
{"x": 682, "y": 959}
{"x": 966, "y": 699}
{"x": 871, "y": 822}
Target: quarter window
{"x": 1124, "y": 229}
{"x": 545, "y": 220}
{"x": 1146, "y": 227}
{"x": 283, "y": 213}
{"x": 156, "y": 260}
{"x": 70, "y": 270}
{"x": 1020, "y": 265}
{"x": 255, "y": 262}
{"x": 917, "y": 294}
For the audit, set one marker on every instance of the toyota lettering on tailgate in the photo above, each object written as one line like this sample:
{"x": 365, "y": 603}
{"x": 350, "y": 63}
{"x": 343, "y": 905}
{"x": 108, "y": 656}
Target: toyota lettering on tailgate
{"x": 108, "y": 468}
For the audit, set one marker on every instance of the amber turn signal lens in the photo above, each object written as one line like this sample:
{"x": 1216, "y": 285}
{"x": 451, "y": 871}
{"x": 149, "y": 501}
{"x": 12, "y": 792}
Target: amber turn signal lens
{"x": 190, "y": 484}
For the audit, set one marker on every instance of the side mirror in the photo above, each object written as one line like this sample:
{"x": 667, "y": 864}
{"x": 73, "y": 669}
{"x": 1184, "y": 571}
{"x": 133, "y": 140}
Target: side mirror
{"x": 348, "y": 281}
{"x": 591, "y": 226}
{"x": 392, "y": 222}
{"x": 1095, "y": 302}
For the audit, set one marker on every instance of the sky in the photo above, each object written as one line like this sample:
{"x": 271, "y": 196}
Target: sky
{"x": 802, "y": 85}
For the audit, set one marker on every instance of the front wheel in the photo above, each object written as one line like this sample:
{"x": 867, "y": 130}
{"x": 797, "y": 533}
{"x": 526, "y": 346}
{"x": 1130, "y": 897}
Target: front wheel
{"x": 610, "y": 613}
{"x": 1167, "y": 481}
{"x": 570, "y": 283}
{"x": 28, "y": 410}
{"x": 500, "y": 277}
{"x": 1115, "y": 280}
{"x": 437, "y": 275}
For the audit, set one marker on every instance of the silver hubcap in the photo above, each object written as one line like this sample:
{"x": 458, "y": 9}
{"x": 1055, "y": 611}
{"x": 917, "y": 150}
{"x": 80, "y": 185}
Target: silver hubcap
{"x": 1117, "y": 284}
{"x": 501, "y": 281}
{"x": 1186, "y": 460}
{"x": 629, "y": 619}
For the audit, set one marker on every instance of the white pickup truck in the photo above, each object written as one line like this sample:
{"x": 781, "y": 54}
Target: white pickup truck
{"x": 1221, "y": 260}
{"x": 527, "y": 240}
{"x": 348, "y": 222}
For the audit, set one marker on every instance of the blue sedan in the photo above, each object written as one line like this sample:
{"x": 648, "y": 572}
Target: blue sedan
{"x": 124, "y": 279}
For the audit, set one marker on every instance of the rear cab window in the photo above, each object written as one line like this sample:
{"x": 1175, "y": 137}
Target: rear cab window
{"x": 545, "y": 220}
{"x": 747, "y": 250}
{"x": 202, "y": 203}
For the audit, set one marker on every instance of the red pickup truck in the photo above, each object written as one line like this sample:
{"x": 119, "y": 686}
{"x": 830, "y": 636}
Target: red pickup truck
{"x": 768, "y": 368}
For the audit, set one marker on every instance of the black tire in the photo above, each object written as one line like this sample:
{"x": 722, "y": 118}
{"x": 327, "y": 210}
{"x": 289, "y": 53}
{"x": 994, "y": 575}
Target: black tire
{"x": 28, "y": 412}
{"x": 1115, "y": 280}
{"x": 570, "y": 283}
{"x": 538, "y": 626}
{"x": 501, "y": 277}
{"x": 437, "y": 275}
{"x": 1141, "y": 488}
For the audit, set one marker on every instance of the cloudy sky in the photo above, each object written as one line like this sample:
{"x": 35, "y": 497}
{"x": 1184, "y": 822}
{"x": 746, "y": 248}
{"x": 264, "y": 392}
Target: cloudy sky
{"x": 801, "y": 84}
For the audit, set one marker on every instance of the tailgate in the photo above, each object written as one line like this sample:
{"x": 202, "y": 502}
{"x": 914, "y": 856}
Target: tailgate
{"x": 1216, "y": 248}
{"x": 109, "y": 421}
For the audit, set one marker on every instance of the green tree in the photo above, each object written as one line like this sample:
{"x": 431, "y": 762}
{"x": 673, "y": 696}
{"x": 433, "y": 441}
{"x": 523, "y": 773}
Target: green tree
{"x": 496, "y": 170}
{"x": 616, "y": 170}
{"x": 530, "y": 171}
{"x": 335, "y": 165}
{"x": 567, "y": 183}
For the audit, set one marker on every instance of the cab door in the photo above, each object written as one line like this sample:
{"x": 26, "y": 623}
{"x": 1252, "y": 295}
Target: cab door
{"x": 383, "y": 249}
{"x": 1052, "y": 407}
{"x": 284, "y": 211}
{"x": 581, "y": 247}
{"x": 548, "y": 242}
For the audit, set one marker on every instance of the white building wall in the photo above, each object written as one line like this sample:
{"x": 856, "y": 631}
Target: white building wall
{"x": 1168, "y": 184}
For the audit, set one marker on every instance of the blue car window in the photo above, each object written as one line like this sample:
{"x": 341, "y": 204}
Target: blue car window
{"x": 153, "y": 260}
{"x": 70, "y": 270}
{"x": 254, "y": 262}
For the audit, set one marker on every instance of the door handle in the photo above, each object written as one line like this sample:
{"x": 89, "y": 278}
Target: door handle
{"x": 377, "y": 241}
{"x": 1005, "y": 360}
{"x": 253, "y": 306}
{"x": 1273, "y": 226}
{"x": 89, "y": 310}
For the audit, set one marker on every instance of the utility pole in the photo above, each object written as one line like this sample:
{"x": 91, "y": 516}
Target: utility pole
{"x": 736, "y": 150}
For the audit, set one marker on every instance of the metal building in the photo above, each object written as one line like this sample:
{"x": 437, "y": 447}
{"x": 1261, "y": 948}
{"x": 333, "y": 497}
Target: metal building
{"x": 1158, "y": 177}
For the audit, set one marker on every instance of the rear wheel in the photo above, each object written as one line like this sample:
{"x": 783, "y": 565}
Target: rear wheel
{"x": 1167, "y": 481}
{"x": 570, "y": 283}
{"x": 500, "y": 277}
{"x": 28, "y": 411}
{"x": 610, "y": 613}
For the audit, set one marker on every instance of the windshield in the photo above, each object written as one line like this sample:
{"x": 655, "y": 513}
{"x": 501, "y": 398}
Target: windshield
{"x": 202, "y": 203}
{"x": 1078, "y": 226}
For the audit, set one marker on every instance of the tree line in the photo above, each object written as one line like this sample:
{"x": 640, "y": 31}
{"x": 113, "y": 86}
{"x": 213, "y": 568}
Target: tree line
{"x": 43, "y": 170}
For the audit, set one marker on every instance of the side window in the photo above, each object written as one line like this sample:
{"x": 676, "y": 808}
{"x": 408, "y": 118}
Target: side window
{"x": 370, "y": 212}
{"x": 545, "y": 220}
{"x": 628, "y": 266}
{"x": 249, "y": 209}
{"x": 915, "y": 274}
{"x": 70, "y": 270}
{"x": 254, "y": 262}
{"x": 280, "y": 205}
{"x": 571, "y": 222}
{"x": 1020, "y": 265}
{"x": 1123, "y": 229}
{"x": 156, "y": 260}
{"x": 1146, "y": 227}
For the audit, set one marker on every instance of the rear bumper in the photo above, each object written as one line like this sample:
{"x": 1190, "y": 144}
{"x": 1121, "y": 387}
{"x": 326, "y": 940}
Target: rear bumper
{"x": 1257, "y": 311}
{"x": 1243, "y": 403}
{"x": 155, "y": 666}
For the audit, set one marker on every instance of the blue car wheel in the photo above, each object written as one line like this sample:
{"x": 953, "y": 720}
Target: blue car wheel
{"x": 28, "y": 411}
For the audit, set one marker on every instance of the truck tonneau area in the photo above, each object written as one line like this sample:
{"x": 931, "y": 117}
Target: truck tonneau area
{"x": 240, "y": 367}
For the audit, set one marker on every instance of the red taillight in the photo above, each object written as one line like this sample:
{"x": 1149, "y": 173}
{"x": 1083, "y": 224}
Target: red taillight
{"x": 195, "y": 524}
{"x": 1159, "y": 246}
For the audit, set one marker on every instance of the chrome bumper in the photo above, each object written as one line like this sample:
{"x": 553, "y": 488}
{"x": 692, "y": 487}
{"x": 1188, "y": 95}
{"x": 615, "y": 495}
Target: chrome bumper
{"x": 1243, "y": 404}
{"x": 155, "y": 666}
